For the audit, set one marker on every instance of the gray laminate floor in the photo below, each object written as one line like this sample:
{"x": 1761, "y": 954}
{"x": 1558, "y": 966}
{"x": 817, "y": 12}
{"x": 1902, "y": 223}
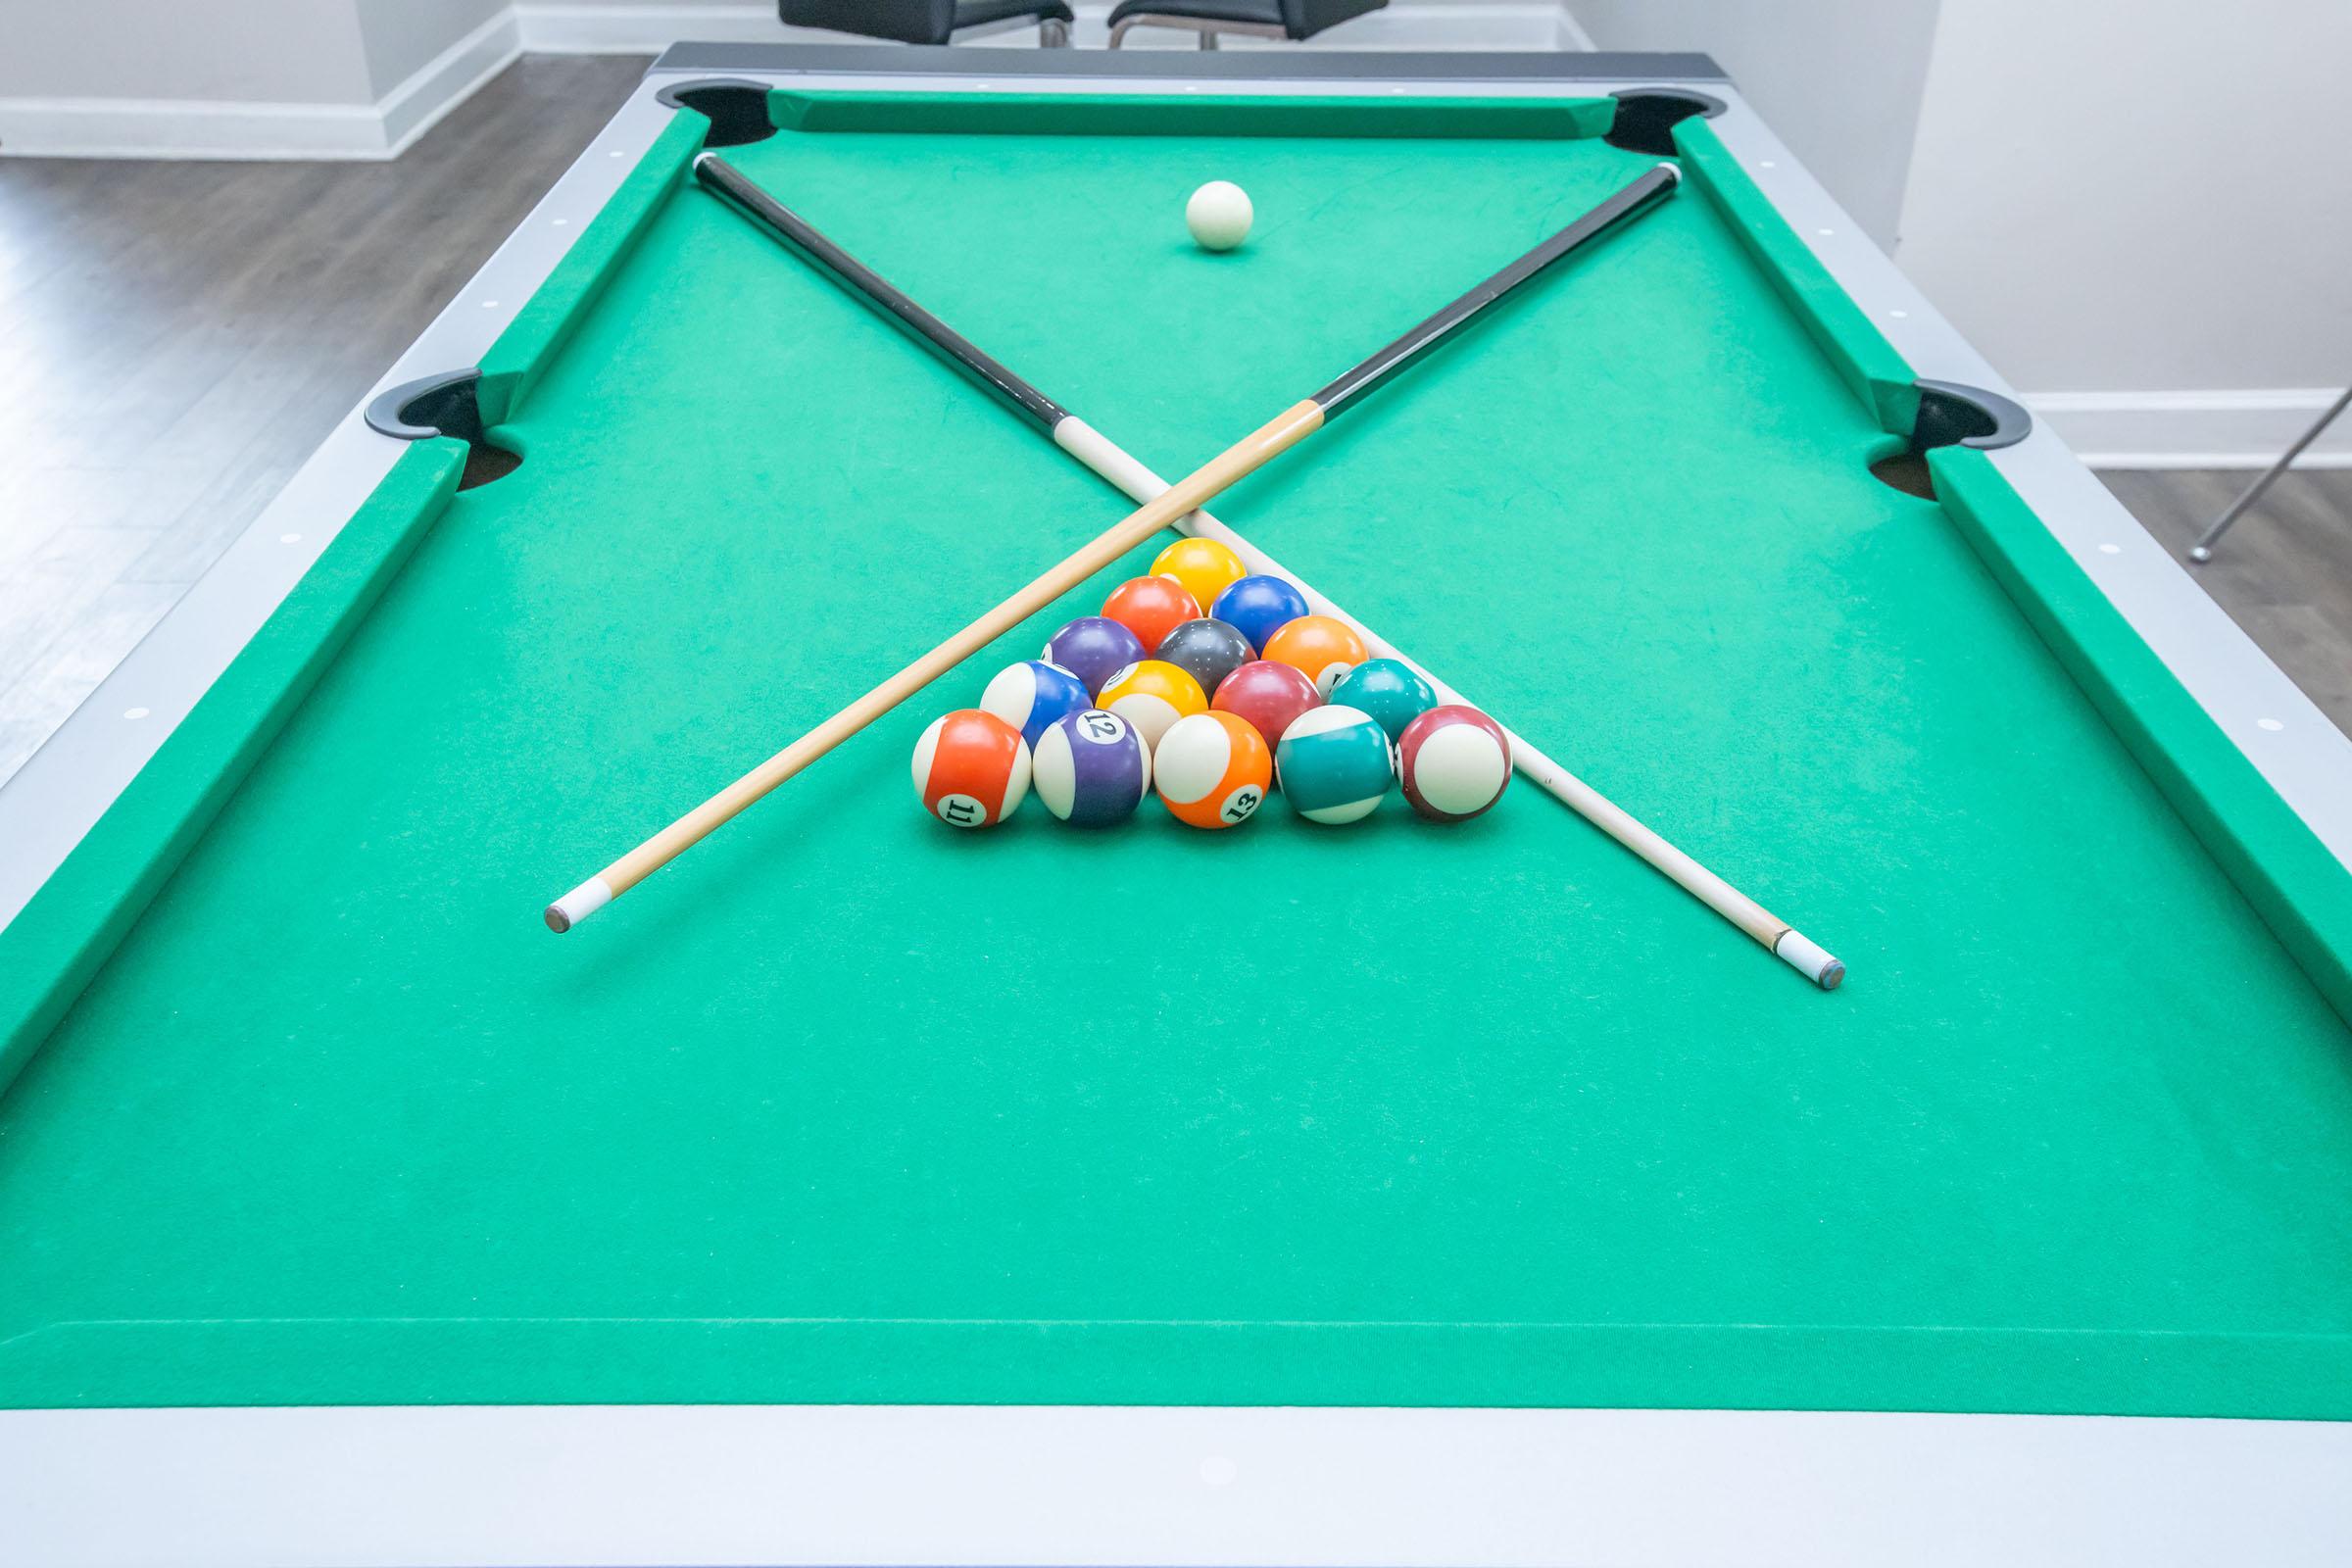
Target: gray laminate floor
{"x": 176, "y": 337}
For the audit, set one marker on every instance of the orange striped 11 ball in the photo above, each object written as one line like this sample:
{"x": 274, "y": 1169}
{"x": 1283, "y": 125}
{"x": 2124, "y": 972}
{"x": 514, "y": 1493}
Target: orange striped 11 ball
{"x": 971, "y": 768}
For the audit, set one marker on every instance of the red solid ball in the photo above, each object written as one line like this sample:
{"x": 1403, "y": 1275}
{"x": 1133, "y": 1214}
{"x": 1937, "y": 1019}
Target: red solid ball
{"x": 1270, "y": 697}
{"x": 1151, "y": 608}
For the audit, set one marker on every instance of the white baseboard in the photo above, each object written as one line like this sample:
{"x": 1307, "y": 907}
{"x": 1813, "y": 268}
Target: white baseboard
{"x": 195, "y": 127}
{"x": 554, "y": 26}
{"x": 447, "y": 80}
{"x": 2233, "y": 430}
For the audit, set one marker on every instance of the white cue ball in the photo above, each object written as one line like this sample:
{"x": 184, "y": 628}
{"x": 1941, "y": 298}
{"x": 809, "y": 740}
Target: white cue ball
{"x": 1218, "y": 215}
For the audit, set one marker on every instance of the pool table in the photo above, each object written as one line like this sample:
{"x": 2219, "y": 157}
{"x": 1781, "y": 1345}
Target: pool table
{"x": 861, "y": 1191}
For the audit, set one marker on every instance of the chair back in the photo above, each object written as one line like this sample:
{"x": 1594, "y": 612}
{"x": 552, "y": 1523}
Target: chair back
{"x": 1303, "y": 19}
{"x": 902, "y": 21}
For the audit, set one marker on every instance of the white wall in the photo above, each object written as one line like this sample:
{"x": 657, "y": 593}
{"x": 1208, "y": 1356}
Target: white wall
{"x": 1840, "y": 80}
{"x": 648, "y": 24}
{"x": 259, "y": 51}
{"x": 403, "y": 37}
{"x": 360, "y": 79}
{"x": 2144, "y": 209}
{"x": 240, "y": 78}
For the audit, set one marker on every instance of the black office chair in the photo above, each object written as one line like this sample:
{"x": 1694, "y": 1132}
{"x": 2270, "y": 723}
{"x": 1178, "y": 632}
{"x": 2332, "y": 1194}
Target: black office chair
{"x": 1257, "y": 19}
{"x": 931, "y": 20}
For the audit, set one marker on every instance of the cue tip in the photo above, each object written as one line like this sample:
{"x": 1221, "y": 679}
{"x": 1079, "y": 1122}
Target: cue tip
{"x": 578, "y": 905}
{"x": 1809, "y": 958}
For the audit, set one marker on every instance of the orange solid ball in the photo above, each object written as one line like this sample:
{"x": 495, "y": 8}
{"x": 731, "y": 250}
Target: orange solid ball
{"x": 1151, "y": 608}
{"x": 1321, "y": 648}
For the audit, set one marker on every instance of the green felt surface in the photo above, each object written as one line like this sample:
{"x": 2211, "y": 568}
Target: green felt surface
{"x": 846, "y": 1105}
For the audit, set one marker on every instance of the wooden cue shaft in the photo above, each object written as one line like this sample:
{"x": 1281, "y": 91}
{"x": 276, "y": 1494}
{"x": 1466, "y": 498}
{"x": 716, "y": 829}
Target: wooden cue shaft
{"x": 1293, "y": 425}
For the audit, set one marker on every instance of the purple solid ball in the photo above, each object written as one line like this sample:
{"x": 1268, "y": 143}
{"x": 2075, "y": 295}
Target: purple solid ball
{"x": 1094, "y": 649}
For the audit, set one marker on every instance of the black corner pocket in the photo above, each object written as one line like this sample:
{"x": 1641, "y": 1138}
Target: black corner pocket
{"x": 447, "y": 405}
{"x": 1647, "y": 118}
{"x": 737, "y": 109}
{"x": 1951, "y": 415}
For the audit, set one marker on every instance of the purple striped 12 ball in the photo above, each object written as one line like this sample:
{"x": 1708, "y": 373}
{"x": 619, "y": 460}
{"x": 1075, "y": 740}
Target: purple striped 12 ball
{"x": 1094, "y": 648}
{"x": 1091, "y": 769}
{"x": 1032, "y": 694}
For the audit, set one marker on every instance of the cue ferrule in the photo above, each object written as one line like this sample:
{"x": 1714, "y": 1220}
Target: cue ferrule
{"x": 1809, "y": 958}
{"x": 578, "y": 905}
{"x": 1635, "y": 198}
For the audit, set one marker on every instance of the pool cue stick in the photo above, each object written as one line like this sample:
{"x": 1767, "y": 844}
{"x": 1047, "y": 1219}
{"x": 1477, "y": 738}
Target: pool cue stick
{"x": 1244, "y": 457}
{"x": 1107, "y": 460}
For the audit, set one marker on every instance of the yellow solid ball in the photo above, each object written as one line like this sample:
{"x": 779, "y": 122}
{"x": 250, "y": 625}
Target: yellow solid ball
{"x": 1201, "y": 568}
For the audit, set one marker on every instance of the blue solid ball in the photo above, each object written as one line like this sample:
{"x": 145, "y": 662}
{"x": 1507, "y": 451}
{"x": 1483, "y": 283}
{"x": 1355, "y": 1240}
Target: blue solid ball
{"x": 1259, "y": 606}
{"x": 1094, "y": 648}
{"x": 1032, "y": 694}
{"x": 1091, "y": 769}
{"x": 1386, "y": 688}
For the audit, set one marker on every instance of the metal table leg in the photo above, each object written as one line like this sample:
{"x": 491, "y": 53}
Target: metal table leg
{"x": 2202, "y": 550}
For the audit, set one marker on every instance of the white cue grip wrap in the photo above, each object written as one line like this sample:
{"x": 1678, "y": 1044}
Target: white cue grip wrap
{"x": 1100, "y": 452}
{"x": 579, "y": 904}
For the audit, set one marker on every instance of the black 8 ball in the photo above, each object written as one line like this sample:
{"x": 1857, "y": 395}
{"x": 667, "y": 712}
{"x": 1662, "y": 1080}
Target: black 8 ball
{"x": 1207, "y": 650}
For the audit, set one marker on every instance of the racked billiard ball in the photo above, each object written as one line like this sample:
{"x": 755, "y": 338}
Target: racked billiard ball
{"x": 1032, "y": 694}
{"x": 1207, "y": 650}
{"x": 1211, "y": 770}
{"x": 971, "y": 768}
{"x": 1269, "y": 695}
{"x": 1335, "y": 765}
{"x": 1259, "y": 607}
{"x": 1092, "y": 768}
{"x": 1151, "y": 608}
{"x": 1152, "y": 696}
{"x": 1455, "y": 762}
{"x": 1094, "y": 649}
{"x": 1320, "y": 648}
{"x": 1385, "y": 688}
{"x": 1203, "y": 568}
